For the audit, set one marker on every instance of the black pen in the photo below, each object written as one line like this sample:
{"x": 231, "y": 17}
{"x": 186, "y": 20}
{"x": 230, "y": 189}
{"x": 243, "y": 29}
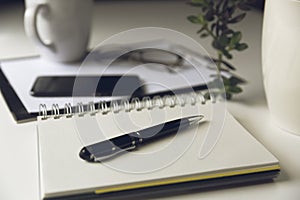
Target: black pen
{"x": 109, "y": 148}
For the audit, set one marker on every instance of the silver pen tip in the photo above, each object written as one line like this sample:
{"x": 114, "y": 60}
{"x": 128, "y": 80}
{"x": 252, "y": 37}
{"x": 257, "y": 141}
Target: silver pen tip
{"x": 194, "y": 120}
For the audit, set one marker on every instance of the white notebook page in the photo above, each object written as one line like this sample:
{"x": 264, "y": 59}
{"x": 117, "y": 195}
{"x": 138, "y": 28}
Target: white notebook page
{"x": 63, "y": 172}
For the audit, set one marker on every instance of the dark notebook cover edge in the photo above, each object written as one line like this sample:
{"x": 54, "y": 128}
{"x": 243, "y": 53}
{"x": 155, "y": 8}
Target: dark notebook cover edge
{"x": 14, "y": 103}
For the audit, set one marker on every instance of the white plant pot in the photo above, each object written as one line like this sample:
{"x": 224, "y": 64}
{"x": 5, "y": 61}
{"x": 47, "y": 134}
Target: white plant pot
{"x": 281, "y": 62}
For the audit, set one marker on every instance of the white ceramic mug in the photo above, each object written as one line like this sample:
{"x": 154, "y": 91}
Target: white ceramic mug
{"x": 60, "y": 28}
{"x": 281, "y": 62}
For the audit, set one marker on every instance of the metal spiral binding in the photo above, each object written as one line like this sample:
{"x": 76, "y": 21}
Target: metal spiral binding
{"x": 68, "y": 110}
{"x": 55, "y": 111}
{"x": 125, "y": 105}
{"x": 43, "y": 111}
{"x": 158, "y": 101}
{"x": 137, "y": 104}
{"x": 92, "y": 108}
{"x": 180, "y": 100}
{"x": 103, "y": 107}
{"x": 80, "y": 109}
{"x": 147, "y": 102}
{"x": 115, "y": 106}
{"x": 169, "y": 101}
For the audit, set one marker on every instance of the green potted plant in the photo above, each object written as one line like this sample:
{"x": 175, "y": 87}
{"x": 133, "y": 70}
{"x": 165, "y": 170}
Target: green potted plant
{"x": 215, "y": 20}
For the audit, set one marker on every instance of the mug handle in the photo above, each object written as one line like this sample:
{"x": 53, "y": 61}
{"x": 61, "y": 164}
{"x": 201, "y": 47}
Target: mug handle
{"x": 30, "y": 22}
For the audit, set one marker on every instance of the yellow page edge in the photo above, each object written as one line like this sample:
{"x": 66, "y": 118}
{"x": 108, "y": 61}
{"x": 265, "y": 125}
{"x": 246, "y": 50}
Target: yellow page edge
{"x": 185, "y": 179}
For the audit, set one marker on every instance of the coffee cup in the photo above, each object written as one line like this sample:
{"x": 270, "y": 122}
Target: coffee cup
{"x": 60, "y": 28}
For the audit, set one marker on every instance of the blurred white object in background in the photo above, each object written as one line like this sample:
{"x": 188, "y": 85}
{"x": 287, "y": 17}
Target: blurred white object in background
{"x": 60, "y": 28}
{"x": 281, "y": 62}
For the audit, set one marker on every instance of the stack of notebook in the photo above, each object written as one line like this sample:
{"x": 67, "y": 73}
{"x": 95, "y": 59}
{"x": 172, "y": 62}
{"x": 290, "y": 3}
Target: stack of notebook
{"x": 198, "y": 157}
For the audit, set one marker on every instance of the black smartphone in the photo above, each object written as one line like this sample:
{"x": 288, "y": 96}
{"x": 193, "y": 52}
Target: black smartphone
{"x": 87, "y": 86}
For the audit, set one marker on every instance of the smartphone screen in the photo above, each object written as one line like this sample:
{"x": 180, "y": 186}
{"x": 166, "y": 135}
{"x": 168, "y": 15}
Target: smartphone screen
{"x": 86, "y": 86}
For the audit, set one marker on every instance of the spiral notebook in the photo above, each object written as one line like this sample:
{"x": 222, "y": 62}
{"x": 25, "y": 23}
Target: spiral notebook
{"x": 217, "y": 152}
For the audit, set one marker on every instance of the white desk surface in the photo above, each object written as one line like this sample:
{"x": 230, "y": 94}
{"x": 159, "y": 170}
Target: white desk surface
{"x": 18, "y": 168}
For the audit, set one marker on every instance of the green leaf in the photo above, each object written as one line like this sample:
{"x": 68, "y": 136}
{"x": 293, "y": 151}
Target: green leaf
{"x": 230, "y": 10}
{"x": 202, "y": 20}
{"x": 241, "y": 46}
{"x": 225, "y": 81}
{"x": 216, "y": 45}
{"x": 235, "y": 89}
{"x": 209, "y": 16}
{"x": 236, "y": 37}
{"x": 236, "y": 80}
{"x": 223, "y": 27}
{"x": 227, "y": 54}
{"x": 237, "y": 18}
{"x": 228, "y": 31}
{"x": 197, "y": 19}
{"x": 224, "y": 40}
{"x": 193, "y": 19}
{"x": 203, "y": 35}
